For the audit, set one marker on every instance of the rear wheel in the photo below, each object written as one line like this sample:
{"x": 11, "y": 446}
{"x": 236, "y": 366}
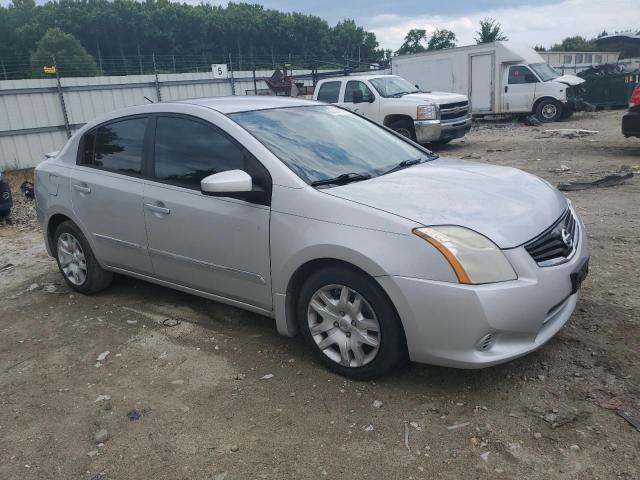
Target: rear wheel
{"x": 404, "y": 128}
{"x": 76, "y": 261}
{"x": 549, "y": 110}
{"x": 349, "y": 324}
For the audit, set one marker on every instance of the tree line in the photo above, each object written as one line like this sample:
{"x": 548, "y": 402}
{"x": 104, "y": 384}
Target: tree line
{"x": 128, "y": 30}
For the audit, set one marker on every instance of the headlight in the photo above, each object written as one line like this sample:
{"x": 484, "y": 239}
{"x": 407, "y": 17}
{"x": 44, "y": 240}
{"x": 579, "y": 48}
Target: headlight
{"x": 427, "y": 112}
{"x": 474, "y": 258}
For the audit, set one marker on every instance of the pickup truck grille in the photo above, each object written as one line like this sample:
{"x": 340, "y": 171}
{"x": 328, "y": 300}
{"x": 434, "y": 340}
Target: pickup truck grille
{"x": 556, "y": 244}
{"x": 449, "y": 111}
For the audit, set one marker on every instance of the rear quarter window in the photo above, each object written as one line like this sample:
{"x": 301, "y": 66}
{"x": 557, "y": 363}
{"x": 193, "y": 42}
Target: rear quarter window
{"x": 329, "y": 92}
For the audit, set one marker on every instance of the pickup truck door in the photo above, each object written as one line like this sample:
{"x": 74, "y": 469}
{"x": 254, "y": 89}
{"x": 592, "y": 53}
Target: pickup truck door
{"x": 360, "y": 99}
{"x": 519, "y": 89}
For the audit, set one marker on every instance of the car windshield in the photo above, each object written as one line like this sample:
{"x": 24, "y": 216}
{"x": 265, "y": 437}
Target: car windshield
{"x": 393, "y": 86}
{"x": 323, "y": 142}
{"x": 545, "y": 71}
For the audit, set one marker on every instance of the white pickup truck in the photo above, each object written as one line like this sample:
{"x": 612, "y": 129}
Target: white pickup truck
{"x": 425, "y": 117}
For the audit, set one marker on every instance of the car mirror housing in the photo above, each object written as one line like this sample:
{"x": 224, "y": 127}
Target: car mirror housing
{"x": 231, "y": 181}
{"x": 357, "y": 96}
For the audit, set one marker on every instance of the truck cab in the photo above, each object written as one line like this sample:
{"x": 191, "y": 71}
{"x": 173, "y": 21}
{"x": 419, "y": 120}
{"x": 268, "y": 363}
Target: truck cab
{"x": 540, "y": 89}
{"x": 425, "y": 117}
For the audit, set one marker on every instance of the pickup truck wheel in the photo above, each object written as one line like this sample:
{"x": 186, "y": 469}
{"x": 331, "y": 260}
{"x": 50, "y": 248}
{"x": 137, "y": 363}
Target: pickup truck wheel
{"x": 549, "y": 110}
{"x": 404, "y": 128}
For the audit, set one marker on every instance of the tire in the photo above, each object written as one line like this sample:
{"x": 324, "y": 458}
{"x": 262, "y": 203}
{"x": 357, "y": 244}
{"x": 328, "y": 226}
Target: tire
{"x": 78, "y": 265}
{"x": 378, "y": 352}
{"x": 549, "y": 110}
{"x": 404, "y": 128}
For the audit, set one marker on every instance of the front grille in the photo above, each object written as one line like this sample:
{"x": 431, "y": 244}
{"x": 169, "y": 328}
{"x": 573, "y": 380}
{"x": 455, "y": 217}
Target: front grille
{"x": 450, "y": 111}
{"x": 556, "y": 244}
{"x": 447, "y": 106}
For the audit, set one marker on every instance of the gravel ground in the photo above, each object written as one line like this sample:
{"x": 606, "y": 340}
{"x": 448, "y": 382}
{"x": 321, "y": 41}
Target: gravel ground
{"x": 208, "y": 408}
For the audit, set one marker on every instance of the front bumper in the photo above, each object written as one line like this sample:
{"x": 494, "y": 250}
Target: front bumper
{"x": 434, "y": 130}
{"x": 444, "y": 322}
{"x": 631, "y": 123}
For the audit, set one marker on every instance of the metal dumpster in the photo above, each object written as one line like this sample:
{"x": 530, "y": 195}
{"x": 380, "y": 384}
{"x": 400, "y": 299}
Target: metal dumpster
{"x": 606, "y": 88}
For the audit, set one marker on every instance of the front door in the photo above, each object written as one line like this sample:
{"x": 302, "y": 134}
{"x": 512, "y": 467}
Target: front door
{"x": 519, "y": 89}
{"x": 368, "y": 107}
{"x": 216, "y": 245}
{"x": 106, "y": 192}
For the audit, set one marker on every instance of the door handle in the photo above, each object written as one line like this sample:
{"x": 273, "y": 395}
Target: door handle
{"x": 157, "y": 209}
{"x": 506, "y": 88}
{"x": 81, "y": 188}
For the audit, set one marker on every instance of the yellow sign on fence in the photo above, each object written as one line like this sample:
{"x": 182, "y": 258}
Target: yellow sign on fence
{"x": 49, "y": 69}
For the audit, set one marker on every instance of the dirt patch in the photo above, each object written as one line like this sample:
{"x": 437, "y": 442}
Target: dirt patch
{"x": 205, "y": 413}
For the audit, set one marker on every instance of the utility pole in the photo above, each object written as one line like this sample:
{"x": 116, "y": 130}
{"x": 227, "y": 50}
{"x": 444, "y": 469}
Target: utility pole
{"x": 233, "y": 82}
{"x": 61, "y": 98}
{"x": 4, "y": 70}
{"x": 155, "y": 73}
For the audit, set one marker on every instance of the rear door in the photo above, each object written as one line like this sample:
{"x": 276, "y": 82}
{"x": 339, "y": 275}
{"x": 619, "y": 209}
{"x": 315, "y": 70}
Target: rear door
{"x": 481, "y": 82}
{"x": 217, "y": 245}
{"x": 107, "y": 191}
{"x": 519, "y": 89}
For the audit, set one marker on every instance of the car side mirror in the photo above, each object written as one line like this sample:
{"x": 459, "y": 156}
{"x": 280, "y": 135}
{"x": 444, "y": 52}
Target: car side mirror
{"x": 371, "y": 98}
{"x": 357, "y": 96}
{"x": 417, "y": 86}
{"x": 223, "y": 183}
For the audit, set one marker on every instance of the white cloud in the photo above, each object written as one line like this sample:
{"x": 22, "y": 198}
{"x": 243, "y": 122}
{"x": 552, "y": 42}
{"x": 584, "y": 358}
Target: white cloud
{"x": 530, "y": 24}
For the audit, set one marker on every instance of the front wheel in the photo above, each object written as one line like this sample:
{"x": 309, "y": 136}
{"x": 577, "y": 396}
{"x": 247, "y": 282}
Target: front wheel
{"x": 350, "y": 324}
{"x": 404, "y": 128}
{"x": 549, "y": 110}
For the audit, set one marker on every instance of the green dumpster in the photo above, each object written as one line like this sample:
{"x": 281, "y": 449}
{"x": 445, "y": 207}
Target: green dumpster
{"x": 609, "y": 90}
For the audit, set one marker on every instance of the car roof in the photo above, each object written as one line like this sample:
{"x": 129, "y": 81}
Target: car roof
{"x": 248, "y": 103}
{"x": 355, "y": 77}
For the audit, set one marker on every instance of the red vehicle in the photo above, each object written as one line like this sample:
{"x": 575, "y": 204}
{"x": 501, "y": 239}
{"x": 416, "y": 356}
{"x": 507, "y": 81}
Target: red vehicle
{"x": 631, "y": 119}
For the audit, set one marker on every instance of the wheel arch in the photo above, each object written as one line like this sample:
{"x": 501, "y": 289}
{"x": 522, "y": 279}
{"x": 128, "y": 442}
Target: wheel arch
{"x": 296, "y": 281}
{"x": 389, "y": 119}
{"x": 546, "y": 97}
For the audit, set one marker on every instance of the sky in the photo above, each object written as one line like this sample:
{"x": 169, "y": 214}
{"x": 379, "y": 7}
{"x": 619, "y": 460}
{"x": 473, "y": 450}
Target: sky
{"x": 533, "y": 22}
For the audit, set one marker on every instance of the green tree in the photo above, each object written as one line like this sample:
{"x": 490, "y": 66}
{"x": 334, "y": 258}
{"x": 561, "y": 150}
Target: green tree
{"x": 490, "y": 31}
{"x": 441, "y": 39}
{"x": 575, "y": 44}
{"x": 413, "y": 42}
{"x": 71, "y": 57}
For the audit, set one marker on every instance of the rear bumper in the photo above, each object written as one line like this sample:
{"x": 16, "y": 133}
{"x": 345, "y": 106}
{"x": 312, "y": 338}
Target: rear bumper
{"x": 434, "y": 130}
{"x": 445, "y": 323}
{"x": 631, "y": 123}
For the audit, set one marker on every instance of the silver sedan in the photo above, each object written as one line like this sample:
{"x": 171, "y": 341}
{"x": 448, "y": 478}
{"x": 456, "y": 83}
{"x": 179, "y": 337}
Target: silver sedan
{"x": 373, "y": 248}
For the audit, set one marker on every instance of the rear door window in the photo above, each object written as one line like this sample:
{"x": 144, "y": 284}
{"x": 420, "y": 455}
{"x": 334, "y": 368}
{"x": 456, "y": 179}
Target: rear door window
{"x": 116, "y": 146}
{"x": 329, "y": 92}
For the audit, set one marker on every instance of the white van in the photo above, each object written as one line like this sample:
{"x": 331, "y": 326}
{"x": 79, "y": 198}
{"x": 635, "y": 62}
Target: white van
{"x": 498, "y": 77}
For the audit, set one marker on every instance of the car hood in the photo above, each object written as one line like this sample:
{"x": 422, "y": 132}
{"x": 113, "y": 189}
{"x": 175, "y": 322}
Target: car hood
{"x": 569, "y": 80}
{"x": 505, "y": 204}
{"x": 435, "y": 97}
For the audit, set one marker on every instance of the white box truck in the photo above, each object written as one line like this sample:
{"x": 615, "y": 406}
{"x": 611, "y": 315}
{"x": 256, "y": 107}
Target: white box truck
{"x": 498, "y": 78}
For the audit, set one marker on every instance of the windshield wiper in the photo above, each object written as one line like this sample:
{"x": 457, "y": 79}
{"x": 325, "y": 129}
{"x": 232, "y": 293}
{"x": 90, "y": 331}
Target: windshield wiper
{"x": 405, "y": 164}
{"x": 399, "y": 94}
{"x": 342, "y": 179}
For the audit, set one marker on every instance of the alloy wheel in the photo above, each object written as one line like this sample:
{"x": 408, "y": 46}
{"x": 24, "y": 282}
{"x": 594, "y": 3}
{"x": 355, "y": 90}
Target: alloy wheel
{"x": 343, "y": 325}
{"x": 72, "y": 259}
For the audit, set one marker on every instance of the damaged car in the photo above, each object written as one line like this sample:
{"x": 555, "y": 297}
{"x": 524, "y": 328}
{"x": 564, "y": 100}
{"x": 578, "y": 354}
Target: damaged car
{"x": 373, "y": 248}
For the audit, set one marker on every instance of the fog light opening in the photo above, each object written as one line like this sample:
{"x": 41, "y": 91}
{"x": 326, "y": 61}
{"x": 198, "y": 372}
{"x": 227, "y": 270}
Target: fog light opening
{"x": 486, "y": 342}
